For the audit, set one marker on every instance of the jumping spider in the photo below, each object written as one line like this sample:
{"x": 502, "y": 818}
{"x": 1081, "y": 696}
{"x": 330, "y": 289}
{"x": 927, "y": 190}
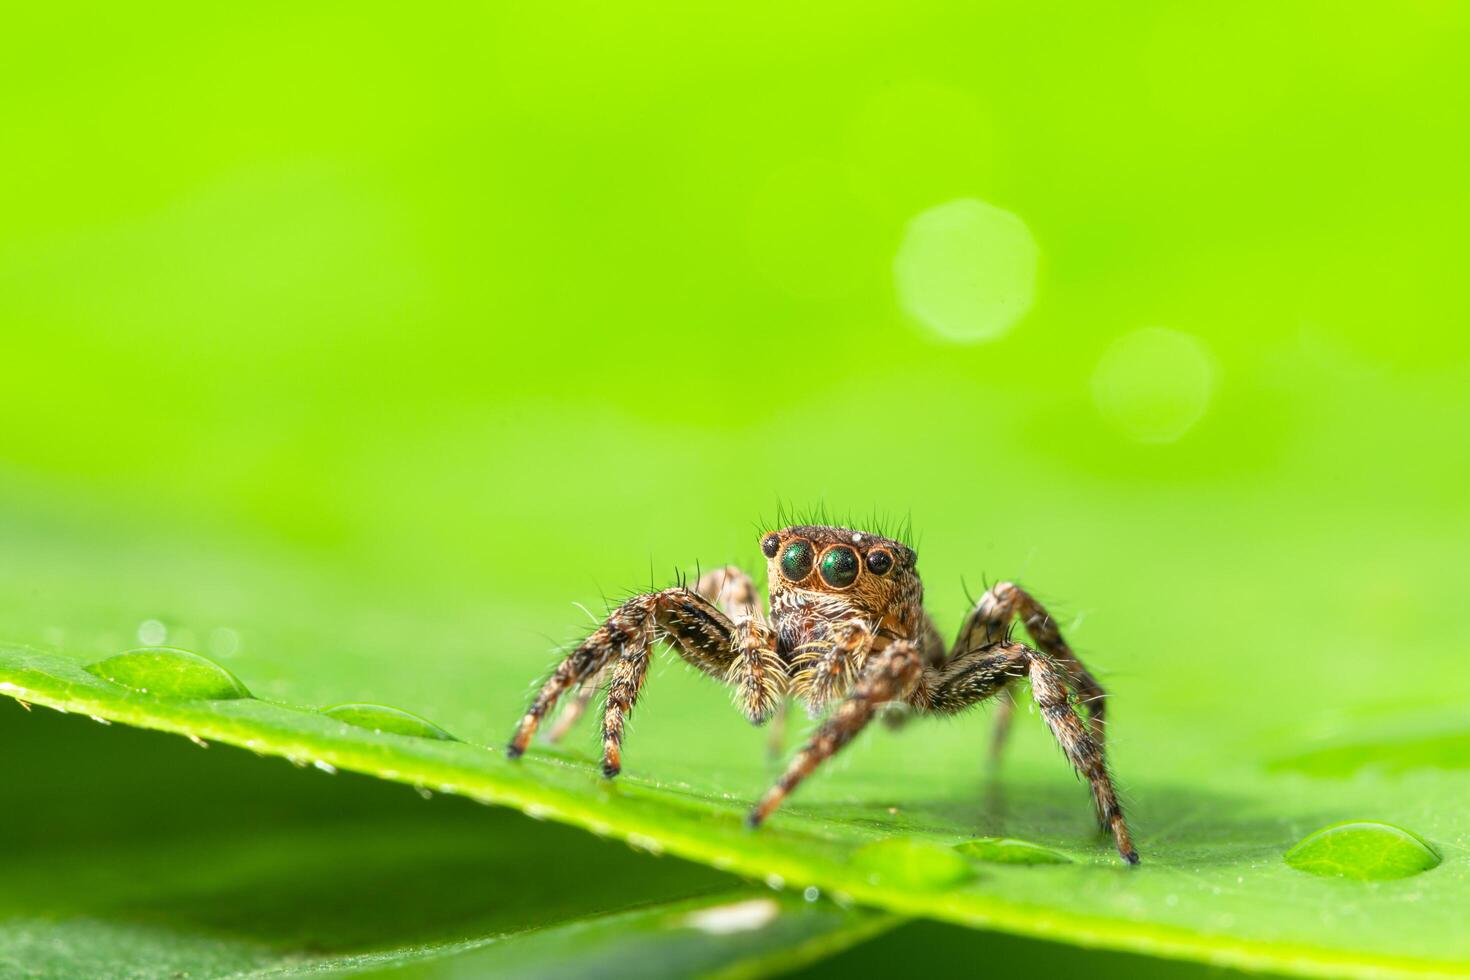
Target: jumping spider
{"x": 847, "y": 623}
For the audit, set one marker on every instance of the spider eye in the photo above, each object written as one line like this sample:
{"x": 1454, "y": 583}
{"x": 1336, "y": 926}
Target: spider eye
{"x": 796, "y": 561}
{"x": 770, "y": 543}
{"x": 840, "y": 566}
{"x": 879, "y": 561}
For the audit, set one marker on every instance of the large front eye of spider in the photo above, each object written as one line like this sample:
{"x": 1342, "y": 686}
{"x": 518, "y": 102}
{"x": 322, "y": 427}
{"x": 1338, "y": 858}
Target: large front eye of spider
{"x": 770, "y": 543}
{"x": 796, "y": 561}
{"x": 879, "y": 561}
{"x": 839, "y": 566}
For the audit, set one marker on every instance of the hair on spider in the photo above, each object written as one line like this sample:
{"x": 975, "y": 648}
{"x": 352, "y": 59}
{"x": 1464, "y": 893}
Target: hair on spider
{"x": 595, "y": 620}
{"x": 877, "y": 523}
{"x": 969, "y": 596}
{"x": 845, "y": 631}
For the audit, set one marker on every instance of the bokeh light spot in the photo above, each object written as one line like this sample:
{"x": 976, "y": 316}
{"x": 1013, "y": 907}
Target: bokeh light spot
{"x": 1154, "y": 384}
{"x": 966, "y": 270}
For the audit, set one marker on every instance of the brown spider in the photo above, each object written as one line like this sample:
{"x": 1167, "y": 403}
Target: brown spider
{"x": 847, "y": 622}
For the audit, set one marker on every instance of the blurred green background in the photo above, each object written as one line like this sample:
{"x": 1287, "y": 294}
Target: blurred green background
{"x": 513, "y": 303}
{"x": 463, "y": 314}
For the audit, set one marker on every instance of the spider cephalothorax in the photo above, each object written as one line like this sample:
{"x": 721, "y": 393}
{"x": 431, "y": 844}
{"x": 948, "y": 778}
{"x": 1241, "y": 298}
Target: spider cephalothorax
{"x": 836, "y": 594}
{"x": 847, "y": 624}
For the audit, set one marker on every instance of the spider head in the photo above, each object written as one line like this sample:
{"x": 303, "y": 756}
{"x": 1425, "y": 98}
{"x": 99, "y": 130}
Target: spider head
{"x": 869, "y": 572}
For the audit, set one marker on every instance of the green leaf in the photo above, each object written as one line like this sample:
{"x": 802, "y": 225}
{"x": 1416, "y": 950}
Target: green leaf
{"x": 1214, "y": 795}
{"x": 741, "y": 933}
{"x": 133, "y": 855}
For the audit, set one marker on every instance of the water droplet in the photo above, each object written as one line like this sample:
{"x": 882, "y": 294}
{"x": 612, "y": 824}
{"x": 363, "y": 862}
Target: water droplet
{"x": 325, "y": 767}
{"x": 152, "y": 633}
{"x": 775, "y": 881}
{"x": 722, "y": 920}
{"x": 966, "y": 270}
{"x": 911, "y": 863}
{"x": 382, "y": 718}
{"x": 643, "y": 842}
{"x": 1007, "y": 850}
{"x": 1153, "y": 384}
{"x": 168, "y": 673}
{"x": 811, "y": 893}
{"x": 1364, "y": 850}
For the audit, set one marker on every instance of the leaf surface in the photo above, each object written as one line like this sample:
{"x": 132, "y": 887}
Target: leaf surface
{"x": 132, "y": 855}
{"x": 1215, "y": 808}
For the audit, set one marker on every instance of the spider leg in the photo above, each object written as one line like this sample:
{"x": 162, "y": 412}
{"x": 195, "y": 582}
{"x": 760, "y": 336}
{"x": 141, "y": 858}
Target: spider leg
{"x": 934, "y": 653}
{"x": 696, "y": 630}
{"x": 827, "y": 666}
{"x": 625, "y": 625}
{"x": 756, "y": 673}
{"x": 742, "y": 653}
{"x": 978, "y": 674}
{"x": 630, "y": 627}
{"x": 731, "y": 590}
{"x": 628, "y": 673}
{"x": 574, "y": 708}
{"x": 990, "y": 621}
{"x": 889, "y": 675}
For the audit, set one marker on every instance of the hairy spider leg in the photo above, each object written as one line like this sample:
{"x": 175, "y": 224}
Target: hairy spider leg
{"x": 898, "y": 673}
{"x": 978, "y": 674}
{"x": 827, "y": 667}
{"x": 990, "y": 622}
{"x": 694, "y": 627}
{"x": 888, "y": 675}
{"x": 731, "y": 590}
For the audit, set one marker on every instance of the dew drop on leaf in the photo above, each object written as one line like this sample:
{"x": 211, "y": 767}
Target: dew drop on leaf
{"x": 1007, "y": 850}
{"x": 909, "y": 863}
{"x": 166, "y": 672}
{"x": 383, "y": 718}
{"x": 1364, "y": 850}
